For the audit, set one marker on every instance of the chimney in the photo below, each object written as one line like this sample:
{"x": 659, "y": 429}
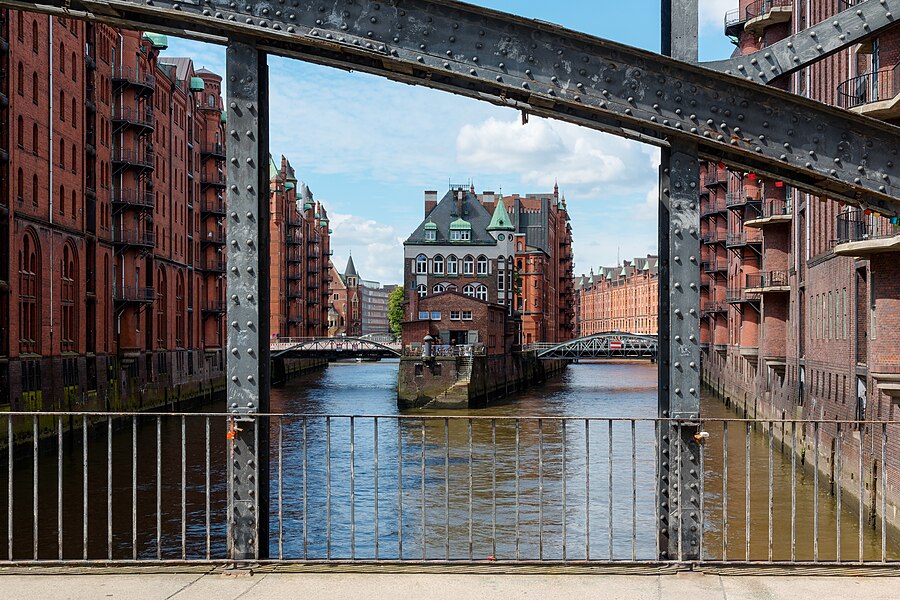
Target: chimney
{"x": 459, "y": 202}
{"x": 430, "y": 201}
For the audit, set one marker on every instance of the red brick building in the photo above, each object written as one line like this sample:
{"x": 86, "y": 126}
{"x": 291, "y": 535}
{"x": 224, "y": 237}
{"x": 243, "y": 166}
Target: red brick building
{"x": 620, "y": 298}
{"x": 800, "y": 294}
{"x": 345, "y": 301}
{"x": 300, "y": 250}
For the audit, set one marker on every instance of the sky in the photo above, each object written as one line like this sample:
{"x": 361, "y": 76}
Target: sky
{"x": 368, "y": 148}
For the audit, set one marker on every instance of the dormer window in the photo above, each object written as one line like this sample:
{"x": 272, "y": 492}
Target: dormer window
{"x": 430, "y": 235}
{"x": 460, "y": 235}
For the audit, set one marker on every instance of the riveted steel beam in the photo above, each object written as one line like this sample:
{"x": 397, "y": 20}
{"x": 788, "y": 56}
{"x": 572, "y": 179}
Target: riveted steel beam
{"x": 856, "y": 24}
{"x": 248, "y": 300}
{"x": 554, "y": 72}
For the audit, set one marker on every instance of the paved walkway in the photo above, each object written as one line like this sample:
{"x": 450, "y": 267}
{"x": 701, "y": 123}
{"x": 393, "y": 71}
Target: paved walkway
{"x": 356, "y": 586}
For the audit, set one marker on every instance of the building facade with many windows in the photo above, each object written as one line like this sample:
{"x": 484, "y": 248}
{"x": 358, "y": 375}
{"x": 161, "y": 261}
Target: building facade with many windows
{"x": 621, "y": 298}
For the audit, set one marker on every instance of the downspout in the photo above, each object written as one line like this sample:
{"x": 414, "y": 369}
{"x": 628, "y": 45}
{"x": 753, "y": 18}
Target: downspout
{"x": 50, "y": 167}
{"x": 121, "y": 220}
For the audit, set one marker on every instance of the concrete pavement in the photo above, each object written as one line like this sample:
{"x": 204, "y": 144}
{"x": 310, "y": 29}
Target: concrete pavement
{"x": 357, "y": 586}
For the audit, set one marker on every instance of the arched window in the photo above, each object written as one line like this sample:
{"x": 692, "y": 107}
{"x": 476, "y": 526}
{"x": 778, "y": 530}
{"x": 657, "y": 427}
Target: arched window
{"x": 61, "y": 199}
{"x": 422, "y": 290}
{"x": 469, "y": 290}
{"x": 62, "y": 58}
{"x": 34, "y": 190}
{"x": 20, "y": 71}
{"x": 421, "y": 264}
{"x": 74, "y": 112}
{"x": 20, "y": 134}
{"x": 74, "y": 70}
{"x": 34, "y": 87}
{"x": 476, "y": 290}
{"x": 440, "y": 287}
{"x": 29, "y": 296}
{"x": 20, "y": 26}
{"x": 34, "y": 36}
{"x": 468, "y": 265}
{"x": 452, "y": 265}
{"x": 69, "y": 294}
{"x": 159, "y": 302}
{"x": 74, "y": 166}
{"x": 180, "y": 312}
{"x": 20, "y": 186}
{"x": 34, "y": 139}
{"x": 74, "y": 202}
{"x": 437, "y": 265}
{"x": 62, "y": 106}
{"x": 62, "y": 153}
{"x": 482, "y": 265}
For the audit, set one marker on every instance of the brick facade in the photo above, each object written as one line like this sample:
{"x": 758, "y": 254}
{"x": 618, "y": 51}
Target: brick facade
{"x": 620, "y": 298}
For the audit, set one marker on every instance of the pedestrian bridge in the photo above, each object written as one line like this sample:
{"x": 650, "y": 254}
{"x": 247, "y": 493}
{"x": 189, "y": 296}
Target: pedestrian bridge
{"x": 610, "y": 344}
{"x": 334, "y": 348}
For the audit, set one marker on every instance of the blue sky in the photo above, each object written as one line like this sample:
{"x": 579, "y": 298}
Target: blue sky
{"x": 368, "y": 147}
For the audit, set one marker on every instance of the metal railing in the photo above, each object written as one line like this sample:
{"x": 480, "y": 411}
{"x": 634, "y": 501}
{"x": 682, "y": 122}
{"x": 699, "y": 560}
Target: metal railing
{"x": 217, "y": 150}
{"x": 856, "y": 226}
{"x": 742, "y": 238}
{"x": 212, "y": 179}
{"x": 151, "y": 488}
{"x": 761, "y": 7}
{"x": 129, "y": 293}
{"x": 716, "y": 176}
{"x": 215, "y": 206}
{"x": 136, "y": 158}
{"x": 133, "y": 116}
{"x": 711, "y": 207}
{"x": 447, "y": 350}
{"x": 741, "y": 197}
{"x": 883, "y": 84}
{"x": 768, "y": 279}
{"x": 133, "y": 237}
{"x": 134, "y": 77}
{"x": 711, "y": 266}
{"x": 133, "y": 197}
{"x": 771, "y": 207}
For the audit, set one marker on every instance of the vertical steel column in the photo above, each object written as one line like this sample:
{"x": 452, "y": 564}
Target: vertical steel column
{"x": 248, "y": 301}
{"x": 679, "y": 318}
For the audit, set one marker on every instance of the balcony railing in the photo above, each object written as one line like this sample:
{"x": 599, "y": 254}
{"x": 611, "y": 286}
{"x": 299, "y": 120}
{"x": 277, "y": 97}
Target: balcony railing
{"x": 714, "y": 306}
{"x": 883, "y": 84}
{"x": 772, "y": 207}
{"x": 215, "y": 150}
{"x": 711, "y": 237}
{"x": 134, "y": 158}
{"x": 132, "y": 76}
{"x": 132, "y": 116}
{"x": 856, "y": 226}
{"x": 769, "y": 279}
{"x": 743, "y": 238}
{"x": 212, "y": 179}
{"x": 133, "y": 237}
{"x": 712, "y": 207}
{"x": 761, "y": 7}
{"x": 716, "y": 176}
{"x": 738, "y": 295}
{"x": 134, "y": 294}
{"x": 734, "y": 20}
{"x": 213, "y": 265}
{"x": 295, "y": 239}
{"x": 713, "y": 266}
{"x": 132, "y": 197}
{"x": 213, "y": 237}
{"x": 213, "y": 306}
{"x": 213, "y": 207}
{"x": 295, "y": 258}
{"x": 741, "y": 197}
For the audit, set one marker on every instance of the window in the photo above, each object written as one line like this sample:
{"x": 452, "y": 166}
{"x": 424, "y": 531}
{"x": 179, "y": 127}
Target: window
{"x": 454, "y": 315}
{"x": 422, "y": 290}
{"x": 34, "y": 190}
{"x": 481, "y": 293}
{"x": 62, "y": 106}
{"x": 74, "y": 112}
{"x": 69, "y": 340}
{"x": 20, "y": 26}
{"x": 179, "y": 311}
{"x": 34, "y": 36}
{"x": 20, "y": 136}
{"x": 421, "y": 265}
{"x": 437, "y": 265}
{"x": 29, "y": 296}
{"x": 20, "y": 185}
{"x": 34, "y": 139}
{"x": 61, "y": 199}
{"x": 467, "y": 315}
{"x": 435, "y": 315}
{"x": 501, "y": 281}
{"x": 482, "y": 265}
{"x": 468, "y": 265}
{"x": 437, "y": 289}
{"x": 430, "y": 235}
{"x": 74, "y": 70}
{"x": 62, "y": 58}
{"x": 452, "y": 265}
{"x": 424, "y": 315}
{"x": 34, "y": 88}
{"x": 460, "y": 235}
{"x": 21, "y": 80}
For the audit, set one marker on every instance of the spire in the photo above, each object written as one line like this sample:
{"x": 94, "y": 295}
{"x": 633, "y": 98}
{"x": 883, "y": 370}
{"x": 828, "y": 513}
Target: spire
{"x": 555, "y": 189}
{"x": 500, "y": 221}
{"x": 350, "y": 271}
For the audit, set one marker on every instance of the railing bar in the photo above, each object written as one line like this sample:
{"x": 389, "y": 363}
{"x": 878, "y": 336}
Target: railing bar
{"x": 518, "y": 513}
{"x": 793, "y": 492}
{"x": 747, "y": 491}
{"x": 771, "y": 482}
{"x": 883, "y": 492}
{"x": 587, "y": 489}
{"x": 109, "y": 491}
{"x": 816, "y": 495}
{"x": 59, "y": 486}
{"x": 352, "y": 488}
{"x": 563, "y": 483}
{"x": 679, "y": 494}
{"x": 494, "y": 488}
{"x": 634, "y": 494}
{"x": 447, "y": 486}
{"x": 422, "y": 484}
{"x": 159, "y": 488}
{"x": 183, "y": 490}
{"x": 837, "y": 491}
{"x": 206, "y": 487}
{"x": 328, "y": 487}
{"x": 280, "y": 489}
{"x": 375, "y": 450}
{"x": 540, "y": 489}
{"x": 658, "y": 488}
{"x": 84, "y": 489}
{"x": 471, "y": 546}
{"x": 9, "y": 486}
{"x": 399, "y": 490}
{"x": 134, "y": 552}
{"x": 34, "y": 479}
{"x": 725, "y": 491}
{"x": 609, "y": 494}
{"x": 305, "y": 494}
{"x": 862, "y": 433}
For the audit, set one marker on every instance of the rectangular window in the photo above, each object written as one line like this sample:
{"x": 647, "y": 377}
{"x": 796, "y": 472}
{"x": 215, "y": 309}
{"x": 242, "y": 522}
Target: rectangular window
{"x": 467, "y": 315}
{"x": 844, "y": 311}
{"x": 501, "y": 281}
{"x": 435, "y": 315}
{"x": 454, "y": 315}
{"x": 423, "y": 315}
{"x": 430, "y": 235}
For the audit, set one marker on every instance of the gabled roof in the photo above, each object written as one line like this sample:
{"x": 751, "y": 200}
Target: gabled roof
{"x": 501, "y": 221}
{"x": 474, "y": 218}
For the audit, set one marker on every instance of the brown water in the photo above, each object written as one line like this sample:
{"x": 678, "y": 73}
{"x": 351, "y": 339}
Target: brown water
{"x": 539, "y": 489}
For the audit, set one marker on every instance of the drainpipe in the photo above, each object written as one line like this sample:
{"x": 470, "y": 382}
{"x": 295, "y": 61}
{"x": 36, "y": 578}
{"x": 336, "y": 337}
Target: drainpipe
{"x": 50, "y": 168}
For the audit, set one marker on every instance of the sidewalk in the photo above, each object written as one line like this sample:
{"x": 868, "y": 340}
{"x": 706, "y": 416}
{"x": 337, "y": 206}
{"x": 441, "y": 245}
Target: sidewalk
{"x": 355, "y": 586}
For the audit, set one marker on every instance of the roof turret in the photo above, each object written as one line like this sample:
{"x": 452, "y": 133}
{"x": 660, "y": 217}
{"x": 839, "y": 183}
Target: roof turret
{"x": 500, "y": 221}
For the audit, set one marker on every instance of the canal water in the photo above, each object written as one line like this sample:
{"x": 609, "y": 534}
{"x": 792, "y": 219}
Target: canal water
{"x": 543, "y": 475}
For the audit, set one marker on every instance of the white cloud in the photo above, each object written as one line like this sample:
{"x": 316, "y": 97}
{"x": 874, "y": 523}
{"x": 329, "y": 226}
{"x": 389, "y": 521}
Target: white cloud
{"x": 712, "y": 14}
{"x": 377, "y": 248}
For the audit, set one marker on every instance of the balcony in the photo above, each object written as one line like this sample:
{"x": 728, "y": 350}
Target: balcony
{"x": 131, "y": 197}
{"x": 712, "y": 237}
{"x": 294, "y": 239}
{"x": 213, "y": 307}
{"x": 714, "y": 306}
{"x": 874, "y": 94}
{"x": 712, "y": 207}
{"x": 133, "y": 237}
{"x": 212, "y": 151}
{"x": 216, "y": 238}
{"x": 294, "y": 276}
{"x": 128, "y": 76}
{"x": 212, "y": 207}
{"x": 741, "y": 198}
{"x": 294, "y": 294}
{"x": 734, "y": 24}
{"x": 294, "y": 258}
{"x": 714, "y": 266}
{"x": 312, "y": 301}
{"x": 770, "y": 212}
{"x": 312, "y": 284}
{"x": 765, "y": 13}
{"x": 138, "y": 118}
{"x": 213, "y": 265}
{"x": 861, "y": 234}
{"x": 212, "y": 180}
{"x": 743, "y": 238}
{"x": 128, "y": 157}
{"x": 768, "y": 282}
{"x": 739, "y": 296}
{"x": 716, "y": 176}
{"x": 130, "y": 294}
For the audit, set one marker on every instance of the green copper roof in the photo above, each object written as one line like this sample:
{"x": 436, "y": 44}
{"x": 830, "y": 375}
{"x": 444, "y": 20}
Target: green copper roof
{"x": 197, "y": 84}
{"x": 500, "y": 221}
{"x": 307, "y": 206}
{"x": 318, "y": 216}
{"x": 273, "y": 168}
{"x": 158, "y": 40}
{"x": 460, "y": 224}
{"x": 323, "y": 223}
{"x": 430, "y": 225}
{"x": 288, "y": 186}
{"x": 223, "y": 119}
